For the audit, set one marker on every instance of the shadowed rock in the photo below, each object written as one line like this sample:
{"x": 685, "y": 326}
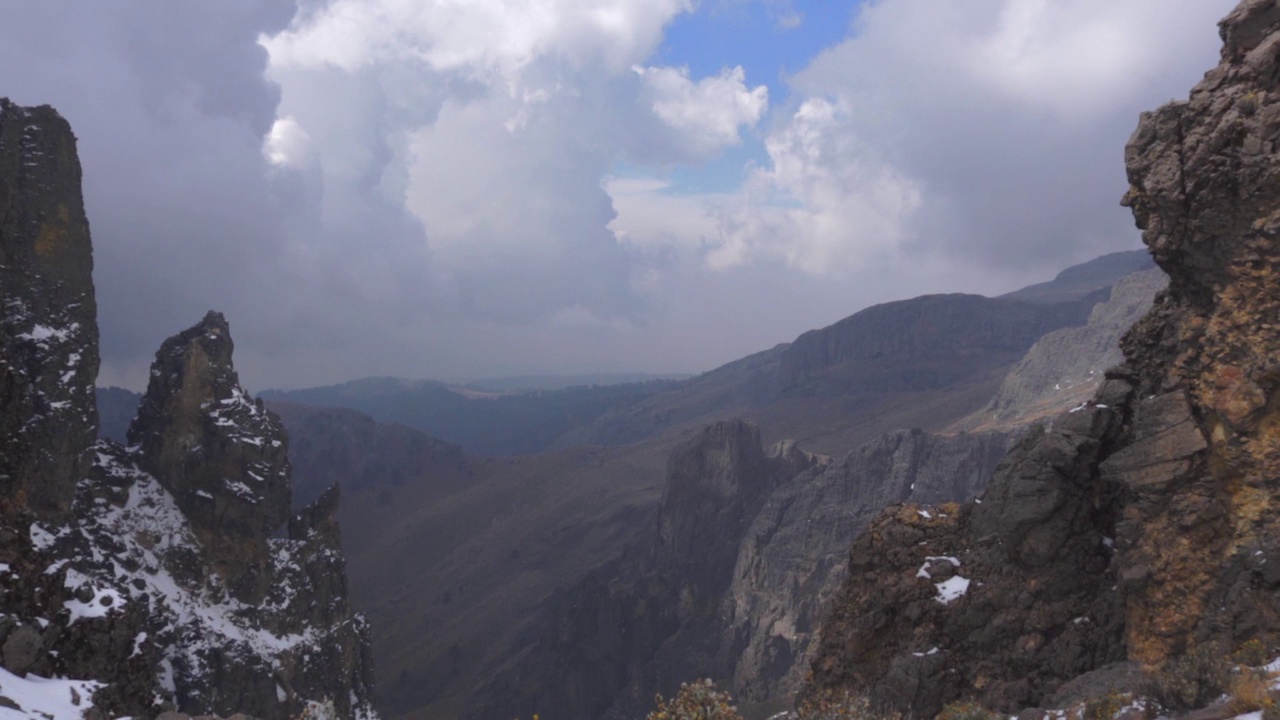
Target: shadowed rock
{"x": 222, "y": 455}
{"x": 48, "y": 315}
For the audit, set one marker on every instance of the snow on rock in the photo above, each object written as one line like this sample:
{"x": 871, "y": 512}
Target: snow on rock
{"x": 100, "y": 600}
{"x": 45, "y": 699}
{"x": 950, "y": 590}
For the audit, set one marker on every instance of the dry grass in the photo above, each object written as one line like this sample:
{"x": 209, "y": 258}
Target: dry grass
{"x": 967, "y": 710}
{"x": 1250, "y": 691}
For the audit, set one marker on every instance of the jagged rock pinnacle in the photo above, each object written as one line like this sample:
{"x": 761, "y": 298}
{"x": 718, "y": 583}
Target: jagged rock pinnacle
{"x": 221, "y": 454}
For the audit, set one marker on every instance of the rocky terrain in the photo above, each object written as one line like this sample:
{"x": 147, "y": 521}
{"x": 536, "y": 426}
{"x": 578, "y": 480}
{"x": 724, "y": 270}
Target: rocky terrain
{"x": 1140, "y": 527}
{"x": 1066, "y": 367}
{"x": 170, "y": 575}
{"x": 500, "y": 548}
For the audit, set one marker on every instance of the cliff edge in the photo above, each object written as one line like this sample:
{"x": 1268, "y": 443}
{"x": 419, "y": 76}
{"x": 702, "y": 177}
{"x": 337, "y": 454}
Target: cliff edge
{"x": 1144, "y": 525}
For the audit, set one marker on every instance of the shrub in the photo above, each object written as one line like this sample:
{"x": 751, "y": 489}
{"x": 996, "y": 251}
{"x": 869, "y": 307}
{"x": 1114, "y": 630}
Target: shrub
{"x": 1252, "y": 653}
{"x": 1106, "y": 706}
{"x": 1189, "y": 682}
{"x": 844, "y": 705}
{"x": 967, "y": 710}
{"x": 698, "y": 700}
{"x": 1271, "y": 712}
{"x": 1250, "y": 691}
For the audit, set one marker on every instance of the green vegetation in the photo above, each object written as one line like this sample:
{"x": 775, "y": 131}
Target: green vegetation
{"x": 698, "y": 700}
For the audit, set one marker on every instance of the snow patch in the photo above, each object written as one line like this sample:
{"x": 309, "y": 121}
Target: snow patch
{"x": 42, "y": 539}
{"x": 44, "y": 698}
{"x": 949, "y": 590}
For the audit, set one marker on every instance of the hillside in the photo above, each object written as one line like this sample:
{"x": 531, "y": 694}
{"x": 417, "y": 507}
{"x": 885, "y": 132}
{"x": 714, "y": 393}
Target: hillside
{"x": 924, "y": 362}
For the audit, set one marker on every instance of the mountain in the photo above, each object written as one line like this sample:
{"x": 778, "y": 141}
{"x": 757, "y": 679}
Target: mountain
{"x": 171, "y": 575}
{"x": 1077, "y": 280}
{"x": 465, "y": 563}
{"x": 1139, "y": 529}
{"x": 116, "y": 409}
{"x": 482, "y": 421}
{"x": 535, "y": 383}
{"x": 827, "y": 390}
{"x": 1067, "y": 366}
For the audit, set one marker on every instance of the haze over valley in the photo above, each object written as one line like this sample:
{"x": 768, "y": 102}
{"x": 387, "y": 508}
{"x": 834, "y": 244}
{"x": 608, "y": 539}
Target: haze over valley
{"x": 622, "y": 359}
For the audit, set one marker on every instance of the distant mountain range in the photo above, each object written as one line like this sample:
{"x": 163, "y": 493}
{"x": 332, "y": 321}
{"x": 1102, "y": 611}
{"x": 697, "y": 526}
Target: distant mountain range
{"x": 464, "y": 561}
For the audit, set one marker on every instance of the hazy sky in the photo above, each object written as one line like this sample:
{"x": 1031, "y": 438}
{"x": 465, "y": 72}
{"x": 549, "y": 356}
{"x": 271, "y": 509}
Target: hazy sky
{"x": 462, "y": 188}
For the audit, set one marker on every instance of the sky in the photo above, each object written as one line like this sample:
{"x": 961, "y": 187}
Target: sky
{"x": 474, "y": 188}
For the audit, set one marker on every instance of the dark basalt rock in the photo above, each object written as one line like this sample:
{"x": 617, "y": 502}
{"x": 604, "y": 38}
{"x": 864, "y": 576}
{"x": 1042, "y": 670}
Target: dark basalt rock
{"x": 48, "y": 314}
{"x": 220, "y": 452}
{"x": 162, "y": 592}
{"x": 651, "y": 620}
{"x": 1142, "y": 526}
{"x": 734, "y": 578}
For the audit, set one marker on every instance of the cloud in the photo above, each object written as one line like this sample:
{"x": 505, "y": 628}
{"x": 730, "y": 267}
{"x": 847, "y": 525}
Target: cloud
{"x": 437, "y": 187}
{"x": 493, "y": 123}
{"x": 344, "y": 178}
{"x": 708, "y": 113}
{"x": 992, "y": 131}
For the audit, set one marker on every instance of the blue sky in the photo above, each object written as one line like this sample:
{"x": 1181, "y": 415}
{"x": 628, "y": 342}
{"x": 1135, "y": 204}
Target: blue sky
{"x": 769, "y": 41}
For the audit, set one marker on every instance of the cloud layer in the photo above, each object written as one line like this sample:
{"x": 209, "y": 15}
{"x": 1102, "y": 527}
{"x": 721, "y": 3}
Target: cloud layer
{"x": 451, "y": 188}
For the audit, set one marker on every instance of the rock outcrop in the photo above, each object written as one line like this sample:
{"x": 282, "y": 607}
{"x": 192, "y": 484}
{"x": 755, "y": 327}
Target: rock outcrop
{"x": 651, "y": 620}
{"x": 1066, "y": 367}
{"x": 1144, "y": 525}
{"x": 48, "y": 314}
{"x": 222, "y": 455}
{"x": 793, "y": 558}
{"x": 734, "y": 579}
{"x": 147, "y": 574}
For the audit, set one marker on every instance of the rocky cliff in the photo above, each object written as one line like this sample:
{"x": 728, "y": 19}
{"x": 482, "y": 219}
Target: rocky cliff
{"x": 792, "y": 559}
{"x": 153, "y": 575}
{"x": 48, "y": 314}
{"x": 1141, "y": 526}
{"x": 733, "y": 580}
{"x": 651, "y": 619}
{"x": 1066, "y": 367}
{"x": 222, "y": 456}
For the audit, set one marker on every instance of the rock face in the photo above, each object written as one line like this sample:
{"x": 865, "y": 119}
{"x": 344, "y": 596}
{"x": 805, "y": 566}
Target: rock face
{"x": 734, "y": 579}
{"x": 221, "y": 454}
{"x": 650, "y": 621}
{"x": 792, "y": 560}
{"x": 48, "y": 314}
{"x": 1142, "y": 526}
{"x": 1065, "y": 367}
{"x": 924, "y": 342}
{"x": 153, "y": 591}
